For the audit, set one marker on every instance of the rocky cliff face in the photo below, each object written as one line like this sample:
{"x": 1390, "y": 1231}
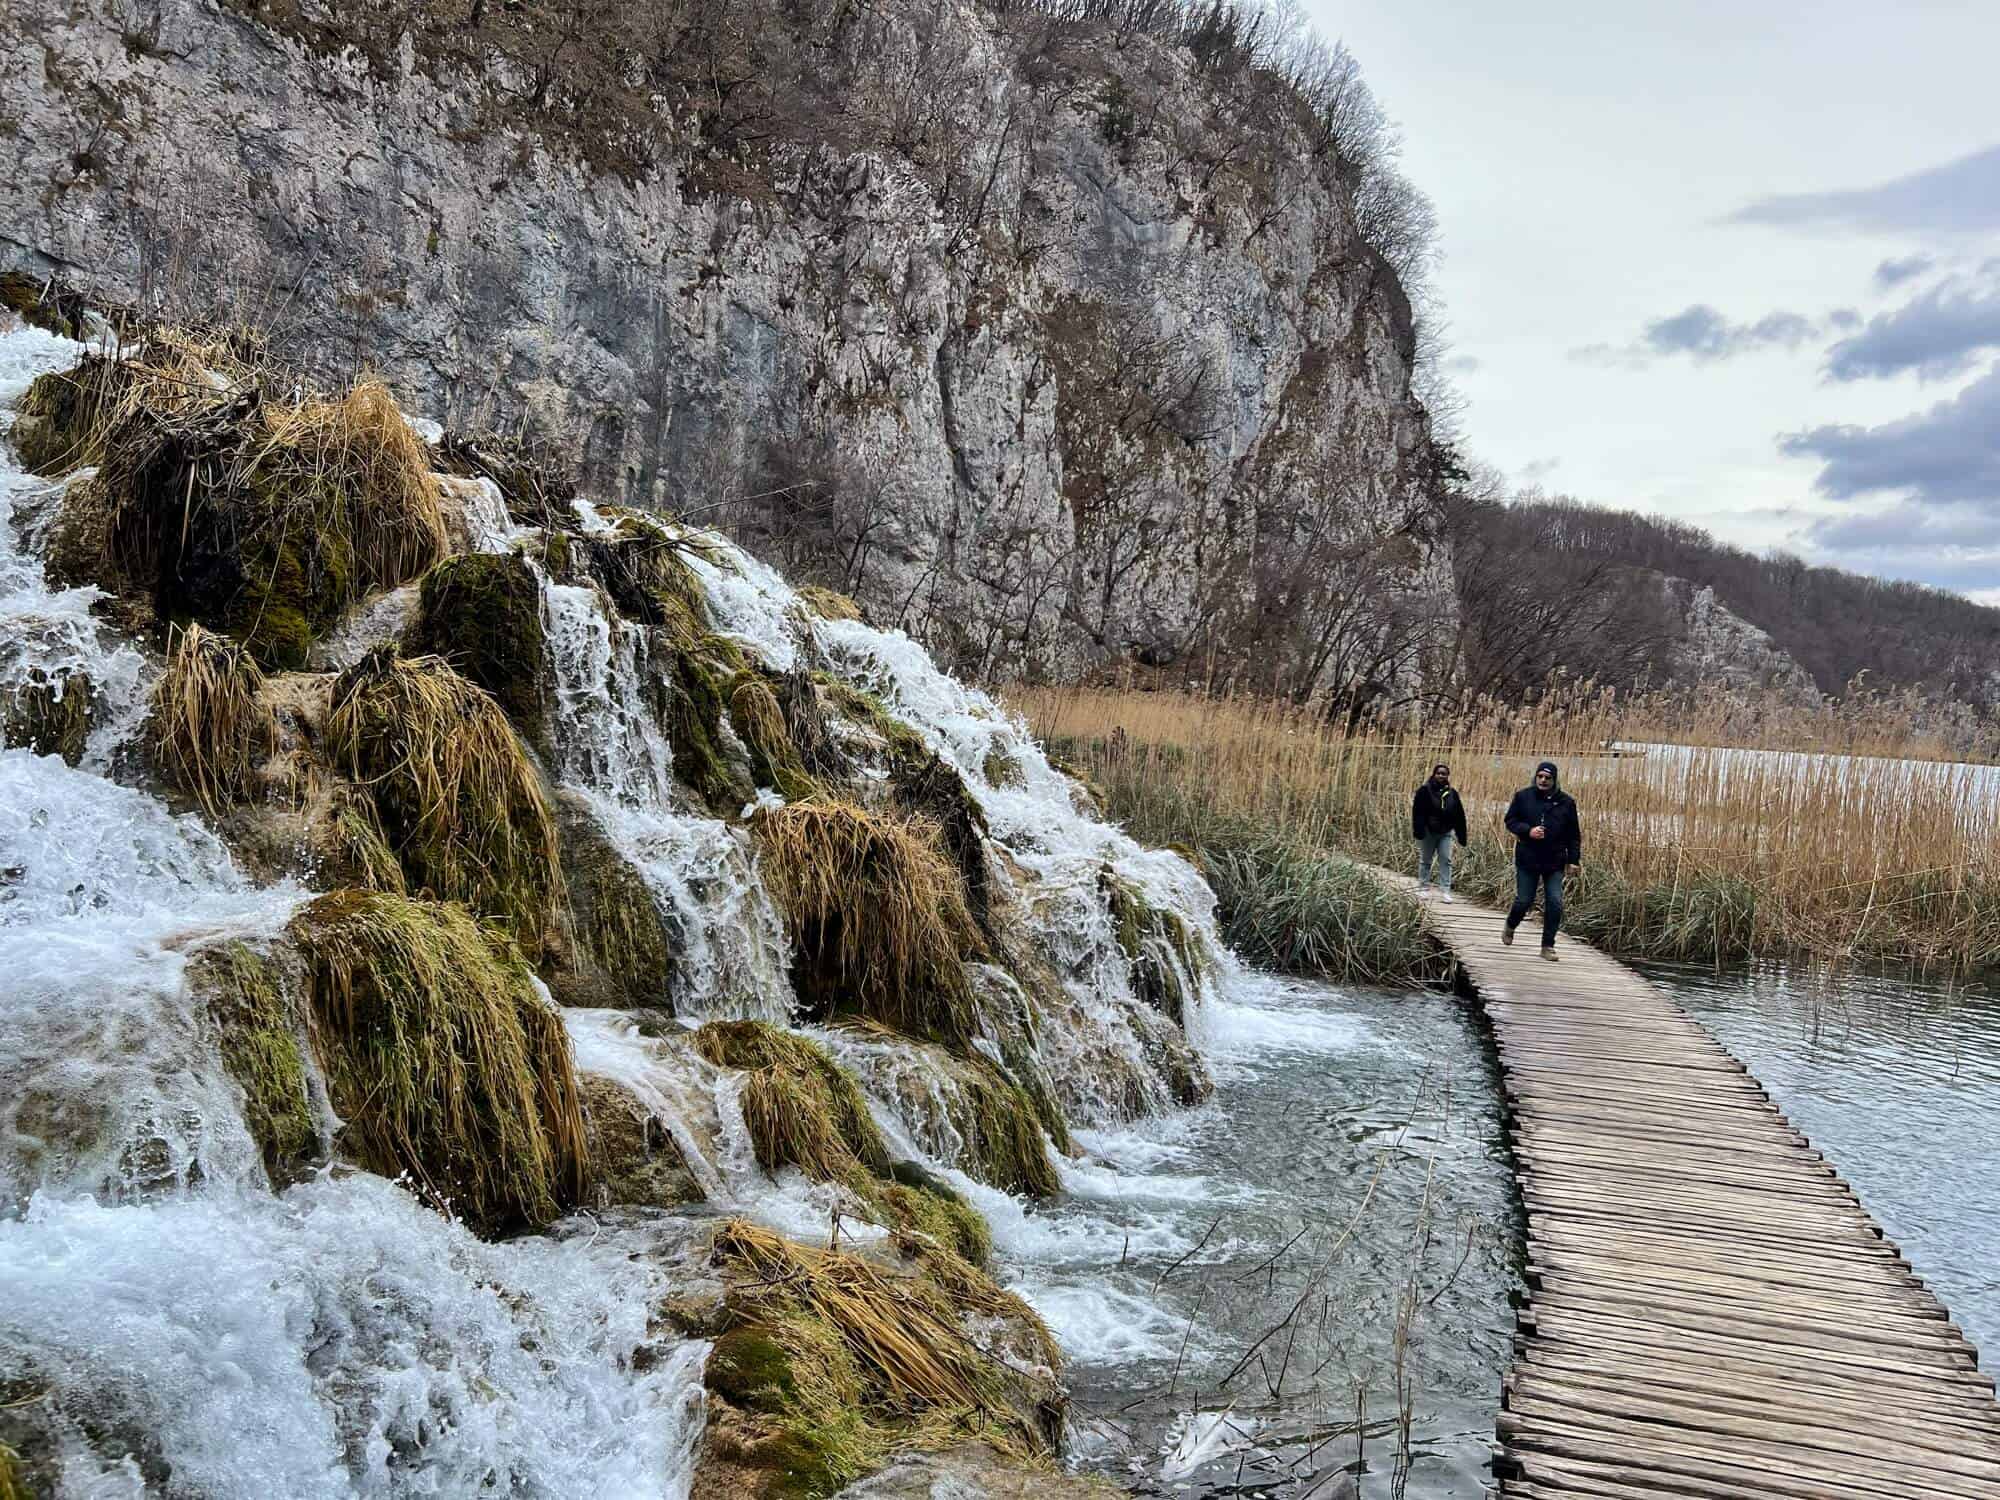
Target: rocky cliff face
{"x": 1721, "y": 649}
{"x": 1058, "y": 348}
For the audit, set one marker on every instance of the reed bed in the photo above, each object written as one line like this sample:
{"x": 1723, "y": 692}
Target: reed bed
{"x": 1695, "y": 852}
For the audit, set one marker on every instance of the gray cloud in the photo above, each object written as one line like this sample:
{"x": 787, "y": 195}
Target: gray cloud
{"x": 1706, "y": 335}
{"x": 1947, "y": 455}
{"x": 1954, "y": 548}
{"x": 1962, "y": 196}
{"x": 1896, "y": 272}
{"x": 1936, "y": 333}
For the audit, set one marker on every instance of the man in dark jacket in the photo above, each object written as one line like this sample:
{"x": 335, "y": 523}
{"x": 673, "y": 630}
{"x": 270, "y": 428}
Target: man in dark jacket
{"x": 1436, "y": 814}
{"x": 1548, "y": 839}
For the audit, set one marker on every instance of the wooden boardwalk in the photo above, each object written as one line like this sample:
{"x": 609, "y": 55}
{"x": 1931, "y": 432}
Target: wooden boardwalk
{"x": 1711, "y": 1310}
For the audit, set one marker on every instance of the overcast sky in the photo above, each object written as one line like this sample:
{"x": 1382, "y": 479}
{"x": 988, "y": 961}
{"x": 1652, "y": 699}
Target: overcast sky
{"x": 1734, "y": 263}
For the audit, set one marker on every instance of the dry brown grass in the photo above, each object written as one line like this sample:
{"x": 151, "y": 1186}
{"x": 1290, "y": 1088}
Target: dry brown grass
{"x": 443, "y": 1059}
{"x": 877, "y": 913}
{"x": 460, "y": 802}
{"x": 902, "y": 1354}
{"x": 210, "y": 728}
{"x": 1691, "y": 851}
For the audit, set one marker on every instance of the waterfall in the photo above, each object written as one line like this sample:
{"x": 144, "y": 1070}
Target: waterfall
{"x": 335, "y": 1335}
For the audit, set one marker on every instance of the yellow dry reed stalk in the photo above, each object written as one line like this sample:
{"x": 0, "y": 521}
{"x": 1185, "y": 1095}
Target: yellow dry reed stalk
{"x": 801, "y": 1109}
{"x": 460, "y": 802}
{"x": 1689, "y": 850}
{"x": 877, "y": 913}
{"x": 210, "y": 727}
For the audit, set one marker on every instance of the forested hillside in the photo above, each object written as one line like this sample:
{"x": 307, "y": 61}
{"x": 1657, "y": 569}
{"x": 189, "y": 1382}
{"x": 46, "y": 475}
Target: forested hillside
{"x": 1548, "y": 582}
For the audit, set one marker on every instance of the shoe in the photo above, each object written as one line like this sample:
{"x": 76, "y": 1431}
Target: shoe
{"x": 1507, "y": 936}
{"x": 1445, "y": 897}
{"x": 1550, "y": 955}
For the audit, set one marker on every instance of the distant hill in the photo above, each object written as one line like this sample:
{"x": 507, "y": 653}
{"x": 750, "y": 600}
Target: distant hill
{"x": 1629, "y": 605}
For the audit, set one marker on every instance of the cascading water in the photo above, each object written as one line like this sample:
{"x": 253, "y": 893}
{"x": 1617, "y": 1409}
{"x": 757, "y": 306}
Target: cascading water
{"x": 178, "y": 1316}
{"x": 166, "y": 1312}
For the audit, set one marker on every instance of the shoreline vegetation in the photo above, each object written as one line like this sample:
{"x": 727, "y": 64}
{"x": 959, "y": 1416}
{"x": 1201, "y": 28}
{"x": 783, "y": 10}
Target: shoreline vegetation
{"x": 1852, "y": 849}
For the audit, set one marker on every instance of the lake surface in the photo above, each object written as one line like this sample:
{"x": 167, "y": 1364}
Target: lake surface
{"x": 1897, "y": 1082}
{"x": 1329, "y": 1244}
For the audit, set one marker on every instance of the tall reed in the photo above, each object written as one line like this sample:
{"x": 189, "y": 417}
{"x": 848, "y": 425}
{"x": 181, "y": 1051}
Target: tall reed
{"x": 1704, "y": 852}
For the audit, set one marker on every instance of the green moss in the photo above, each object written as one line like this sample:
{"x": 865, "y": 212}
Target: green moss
{"x": 49, "y": 713}
{"x": 695, "y": 713}
{"x": 482, "y": 612}
{"x": 828, "y": 604}
{"x": 759, "y": 721}
{"x": 1001, "y": 769}
{"x": 926, "y": 1203}
{"x": 751, "y": 1369}
{"x": 863, "y": 708}
{"x": 1162, "y": 950}
{"x": 260, "y": 1048}
{"x": 621, "y": 931}
{"x": 40, "y": 304}
{"x": 1002, "y": 1129}
{"x": 442, "y": 1057}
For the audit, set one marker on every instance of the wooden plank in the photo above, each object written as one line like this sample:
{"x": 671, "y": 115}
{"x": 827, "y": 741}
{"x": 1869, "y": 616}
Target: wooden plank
{"x": 1712, "y": 1312}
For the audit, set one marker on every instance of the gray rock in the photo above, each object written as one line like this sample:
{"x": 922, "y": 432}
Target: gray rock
{"x": 1130, "y": 418}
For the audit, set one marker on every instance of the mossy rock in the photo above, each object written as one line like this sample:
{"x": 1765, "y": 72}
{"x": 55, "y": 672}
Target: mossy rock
{"x": 49, "y": 713}
{"x": 624, "y": 949}
{"x": 925, "y": 1202}
{"x": 1164, "y": 954}
{"x": 482, "y": 612}
{"x": 760, "y": 723}
{"x": 802, "y": 1110}
{"x": 60, "y": 420}
{"x": 42, "y": 303}
{"x": 443, "y": 1059}
{"x": 459, "y": 802}
{"x": 260, "y": 1047}
{"x": 634, "y": 1160}
{"x": 828, "y": 604}
{"x": 266, "y": 520}
{"x": 703, "y": 762}
{"x": 835, "y": 1362}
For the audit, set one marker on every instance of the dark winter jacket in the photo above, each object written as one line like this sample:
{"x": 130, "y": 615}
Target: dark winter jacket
{"x": 1433, "y": 812}
{"x": 1554, "y": 812}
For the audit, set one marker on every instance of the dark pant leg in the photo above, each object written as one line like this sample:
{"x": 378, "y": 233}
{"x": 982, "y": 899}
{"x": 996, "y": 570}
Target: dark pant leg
{"x": 1552, "y": 906}
{"x": 1524, "y": 896}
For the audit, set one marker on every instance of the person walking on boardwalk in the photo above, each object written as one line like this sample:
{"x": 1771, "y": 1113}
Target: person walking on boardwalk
{"x": 1436, "y": 815}
{"x": 1548, "y": 839}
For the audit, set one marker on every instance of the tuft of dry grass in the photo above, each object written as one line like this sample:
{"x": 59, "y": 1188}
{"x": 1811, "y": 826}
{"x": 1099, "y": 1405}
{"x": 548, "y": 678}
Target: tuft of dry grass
{"x": 877, "y": 913}
{"x": 459, "y": 801}
{"x": 443, "y": 1058}
{"x": 801, "y": 1109}
{"x": 1699, "y": 852}
{"x": 210, "y": 727}
{"x": 862, "y": 1362}
{"x": 759, "y": 720}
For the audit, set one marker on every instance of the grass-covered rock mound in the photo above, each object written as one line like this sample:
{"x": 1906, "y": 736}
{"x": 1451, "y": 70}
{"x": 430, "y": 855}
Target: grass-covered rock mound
{"x": 482, "y": 612}
{"x": 877, "y": 913}
{"x": 460, "y": 803}
{"x": 443, "y": 1059}
{"x": 831, "y": 1363}
{"x": 260, "y": 1035}
{"x": 803, "y": 1111}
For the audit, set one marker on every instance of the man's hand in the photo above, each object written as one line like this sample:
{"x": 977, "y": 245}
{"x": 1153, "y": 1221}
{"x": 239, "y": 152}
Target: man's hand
{"x": 1536, "y": 833}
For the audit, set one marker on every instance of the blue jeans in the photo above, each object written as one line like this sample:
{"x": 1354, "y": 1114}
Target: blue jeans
{"x": 1551, "y": 883}
{"x": 1434, "y": 846}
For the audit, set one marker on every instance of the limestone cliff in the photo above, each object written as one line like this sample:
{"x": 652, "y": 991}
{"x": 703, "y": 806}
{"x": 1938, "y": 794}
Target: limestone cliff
{"x": 1059, "y": 347}
{"x": 1717, "y": 648}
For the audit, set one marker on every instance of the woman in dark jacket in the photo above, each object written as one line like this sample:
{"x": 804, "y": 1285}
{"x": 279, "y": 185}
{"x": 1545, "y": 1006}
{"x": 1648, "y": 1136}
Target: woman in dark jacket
{"x": 1548, "y": 839}
{"x": 1436, "y": 814}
